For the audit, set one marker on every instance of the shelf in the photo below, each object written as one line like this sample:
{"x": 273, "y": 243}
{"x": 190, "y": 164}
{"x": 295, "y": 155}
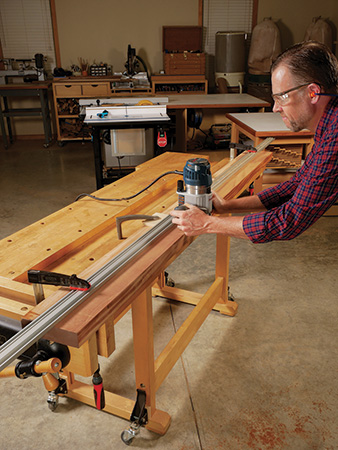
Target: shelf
{"x": 184, "y": 84}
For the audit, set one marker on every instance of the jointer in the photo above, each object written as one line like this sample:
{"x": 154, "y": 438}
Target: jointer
{"x": 82, "y": 238}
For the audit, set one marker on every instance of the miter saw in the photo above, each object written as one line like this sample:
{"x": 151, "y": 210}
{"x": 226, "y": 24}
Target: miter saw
{"x": 132, "y": 64}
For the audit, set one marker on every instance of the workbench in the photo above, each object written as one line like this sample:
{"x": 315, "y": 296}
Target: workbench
{"x": 259, "y": 126}
{"x": 288, "y": 149}
{"x": 81, "y": 238}
{"x": 213, "y": 108}
{"x": 38, "y": 89}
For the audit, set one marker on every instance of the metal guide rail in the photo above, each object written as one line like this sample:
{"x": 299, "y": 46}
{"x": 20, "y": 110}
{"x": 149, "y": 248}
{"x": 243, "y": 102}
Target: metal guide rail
{"x": 36, "y": 329}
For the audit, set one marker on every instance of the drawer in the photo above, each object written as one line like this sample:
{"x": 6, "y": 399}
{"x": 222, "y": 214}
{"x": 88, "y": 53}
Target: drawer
{"x": 95, "y": 89}
{"x": 68, "y": 90}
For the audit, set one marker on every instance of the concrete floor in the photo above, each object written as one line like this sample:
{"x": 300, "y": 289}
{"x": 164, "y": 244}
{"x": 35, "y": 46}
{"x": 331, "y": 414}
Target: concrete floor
{"x": 265, "y": 379}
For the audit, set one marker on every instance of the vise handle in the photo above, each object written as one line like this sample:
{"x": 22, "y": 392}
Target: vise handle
{"x": 52, "y": 365}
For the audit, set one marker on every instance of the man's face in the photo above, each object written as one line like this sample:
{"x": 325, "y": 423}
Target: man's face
{"x": 295, "y": 110}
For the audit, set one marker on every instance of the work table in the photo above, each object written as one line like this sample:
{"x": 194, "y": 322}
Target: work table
{"x": 81, "y": 238}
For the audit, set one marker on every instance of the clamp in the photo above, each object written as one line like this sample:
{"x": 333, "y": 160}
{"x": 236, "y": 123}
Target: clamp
{"x": 241, "y": 148}
{"x": 50, "y": 359}
{"x": 39, "y": 277}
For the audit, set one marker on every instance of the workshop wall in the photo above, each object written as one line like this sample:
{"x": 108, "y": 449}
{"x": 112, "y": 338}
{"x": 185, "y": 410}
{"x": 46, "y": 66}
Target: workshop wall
{"x": 102, "y": 30}
{"x": 293, "y": 17}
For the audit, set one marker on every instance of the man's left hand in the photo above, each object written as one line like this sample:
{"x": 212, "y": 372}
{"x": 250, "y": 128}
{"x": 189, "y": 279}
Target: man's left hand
{"x": 192, "y": 221}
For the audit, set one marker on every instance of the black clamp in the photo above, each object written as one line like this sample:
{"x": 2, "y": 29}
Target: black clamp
{"x": 57, "y": 279}
{"x": 139, "y": 414}
{"x": 243, "y": 147}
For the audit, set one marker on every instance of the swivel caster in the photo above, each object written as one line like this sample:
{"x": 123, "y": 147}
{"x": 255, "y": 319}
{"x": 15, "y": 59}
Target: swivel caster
{"x": 128, "y": 436}
{"x": 52, "y": 401}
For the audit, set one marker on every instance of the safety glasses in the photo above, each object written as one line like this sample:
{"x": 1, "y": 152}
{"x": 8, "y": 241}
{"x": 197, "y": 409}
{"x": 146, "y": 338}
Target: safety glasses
{"x": 282, "y": 98}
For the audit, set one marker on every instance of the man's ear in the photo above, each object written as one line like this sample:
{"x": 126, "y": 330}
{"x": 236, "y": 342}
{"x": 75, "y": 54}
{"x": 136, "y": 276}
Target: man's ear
{"x": 314, "y": 90}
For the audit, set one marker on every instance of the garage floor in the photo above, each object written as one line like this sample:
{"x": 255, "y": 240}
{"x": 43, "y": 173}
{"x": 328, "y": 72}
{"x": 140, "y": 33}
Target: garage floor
{"x": 265, "y": 379}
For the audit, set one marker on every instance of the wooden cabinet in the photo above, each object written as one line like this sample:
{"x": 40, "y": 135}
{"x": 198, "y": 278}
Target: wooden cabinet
{"x": 68, "y": 91}
{"x": 182, "y": 50}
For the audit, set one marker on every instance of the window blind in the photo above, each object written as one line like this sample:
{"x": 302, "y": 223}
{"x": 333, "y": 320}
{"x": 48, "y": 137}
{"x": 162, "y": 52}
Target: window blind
{"x": 223, "y": 15}
{"x": 26, "y": 29}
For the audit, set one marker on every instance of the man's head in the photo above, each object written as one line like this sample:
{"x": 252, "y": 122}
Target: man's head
{"x": 298, "y": 75}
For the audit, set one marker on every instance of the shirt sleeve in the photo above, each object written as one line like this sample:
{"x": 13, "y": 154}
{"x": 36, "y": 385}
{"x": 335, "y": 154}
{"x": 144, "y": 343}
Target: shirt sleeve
{"x": 281, "y": 193}
{"x": 297, "y": 204}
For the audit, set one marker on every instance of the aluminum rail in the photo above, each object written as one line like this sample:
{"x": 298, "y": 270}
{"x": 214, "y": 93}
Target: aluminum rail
{"x": 36, "y": 329}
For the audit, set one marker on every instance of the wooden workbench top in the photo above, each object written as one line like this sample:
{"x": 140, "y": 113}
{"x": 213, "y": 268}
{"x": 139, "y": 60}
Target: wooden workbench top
{"x": 265, "y": 124}
{"x": 26, "y": 86}
{"x": 81, "y": 238}
{"x": 89, "y": 78}
{"x": 215, "y": 101}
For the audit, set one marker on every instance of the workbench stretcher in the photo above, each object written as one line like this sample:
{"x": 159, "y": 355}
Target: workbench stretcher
{"x": 81, "y": 238}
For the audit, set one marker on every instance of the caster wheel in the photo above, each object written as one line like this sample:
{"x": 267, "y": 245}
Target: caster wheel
{"x": 127, "y": 437}
{"x": 52, "y": 401}
{"x": 52, "y": 406}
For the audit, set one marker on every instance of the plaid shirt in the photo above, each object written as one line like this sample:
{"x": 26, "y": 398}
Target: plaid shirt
{"x": 296, "y": 204}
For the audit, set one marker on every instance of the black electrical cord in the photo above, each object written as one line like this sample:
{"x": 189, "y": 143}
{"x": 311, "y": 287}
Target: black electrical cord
{"x": 176, "y": 172}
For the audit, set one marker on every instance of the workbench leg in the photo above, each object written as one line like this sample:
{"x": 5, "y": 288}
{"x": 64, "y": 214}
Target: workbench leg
{"x": 142, "y": 316}
{"x": 43, "y": 95}
{"x": 3, "y": 129}
{"x": 222, "y": 270}
{"x": 9, "y": 124}
{"x": 97, "y": 157}
{"x": 235, "y": 139}
{"x": 258, "y": 184}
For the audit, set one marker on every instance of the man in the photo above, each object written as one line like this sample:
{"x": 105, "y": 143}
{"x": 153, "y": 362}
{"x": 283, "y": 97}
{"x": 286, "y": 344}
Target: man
{"x": 304, "y": 84}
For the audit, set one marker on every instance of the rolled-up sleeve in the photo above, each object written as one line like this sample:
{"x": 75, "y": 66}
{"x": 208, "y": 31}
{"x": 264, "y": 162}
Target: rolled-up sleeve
{"x": 296, "y": 204}
{"x": 313, "y": 196}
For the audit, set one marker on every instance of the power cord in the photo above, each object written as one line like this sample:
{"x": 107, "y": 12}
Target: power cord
{"x": 176, "y": 172}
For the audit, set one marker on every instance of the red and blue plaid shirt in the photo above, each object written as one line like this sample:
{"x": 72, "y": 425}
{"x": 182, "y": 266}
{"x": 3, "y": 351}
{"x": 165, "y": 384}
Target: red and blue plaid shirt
{"x": 296, "y": 204}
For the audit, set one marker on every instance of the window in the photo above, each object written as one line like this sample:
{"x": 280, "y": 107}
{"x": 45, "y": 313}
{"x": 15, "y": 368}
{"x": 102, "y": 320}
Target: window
{"x": 224, "y": 15}
{"x": 26, "y": 29}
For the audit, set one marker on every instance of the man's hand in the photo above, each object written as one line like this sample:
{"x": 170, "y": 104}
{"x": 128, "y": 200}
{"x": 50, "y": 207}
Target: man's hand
{"x": 191, "y": 221}
{"x": 194, "y": 222}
